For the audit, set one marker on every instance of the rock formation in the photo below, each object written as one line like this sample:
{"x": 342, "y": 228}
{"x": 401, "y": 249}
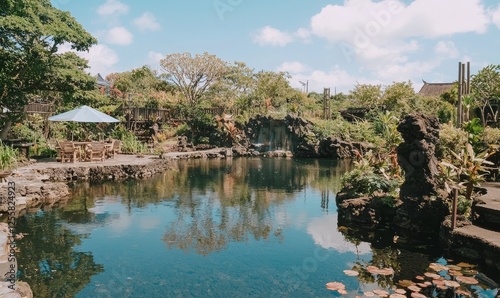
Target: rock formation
{"x": 423, "y": 203}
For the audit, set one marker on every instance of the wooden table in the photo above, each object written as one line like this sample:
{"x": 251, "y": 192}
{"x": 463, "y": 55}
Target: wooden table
{"x": 83, "y": 148}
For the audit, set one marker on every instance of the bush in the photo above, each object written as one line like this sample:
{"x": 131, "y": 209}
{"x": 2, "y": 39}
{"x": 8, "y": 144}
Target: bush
{"x": 450, "y": 138}
{"x": 8, "y": 157}
{"x": 130, "y": 144}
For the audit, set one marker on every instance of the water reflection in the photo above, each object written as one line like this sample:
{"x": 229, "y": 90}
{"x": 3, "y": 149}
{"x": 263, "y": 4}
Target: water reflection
{"x": 48, "y": 261}
{"x": 234, "y": 200}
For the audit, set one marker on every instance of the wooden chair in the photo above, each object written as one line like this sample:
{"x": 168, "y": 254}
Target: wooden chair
{"x": 115, "y": 148}
{"x": 68, "y": 152}
{"x": 97, "y": 152}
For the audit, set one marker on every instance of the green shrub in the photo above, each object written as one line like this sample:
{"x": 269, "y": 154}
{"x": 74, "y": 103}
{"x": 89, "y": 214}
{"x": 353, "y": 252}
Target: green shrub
{"x": 130, "y": 144}
{"x": 8, "y": 157}
{"x": 490, "y": 136}
{"x": 450, "y": 138}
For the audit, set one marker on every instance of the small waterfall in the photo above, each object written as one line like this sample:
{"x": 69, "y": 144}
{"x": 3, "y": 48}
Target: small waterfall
{"x": 272, "y": 136}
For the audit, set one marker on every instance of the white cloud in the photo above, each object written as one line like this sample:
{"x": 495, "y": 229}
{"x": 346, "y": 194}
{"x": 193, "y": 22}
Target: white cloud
{"x": 446, "y": 49}
{"x": 495, "y": 16}
{"x": 155, "y": 56}
{"x": 100, "y": 58}
{"x": 303, "y": 34}
{"x": 118, "y": 36}
{"x": 362, "y": 22}
{"x": 272, "y": 36}
{"x": 337, "y": 79}
{"x": 324, "y": 233}
{"x": 147, "y": 21}
{"x": 112, "y": 7}
{"x": 292, "y": 67}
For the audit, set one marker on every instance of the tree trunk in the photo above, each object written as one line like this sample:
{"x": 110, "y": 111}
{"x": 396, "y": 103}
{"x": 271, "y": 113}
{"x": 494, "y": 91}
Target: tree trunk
{"x": 6, "y": 129}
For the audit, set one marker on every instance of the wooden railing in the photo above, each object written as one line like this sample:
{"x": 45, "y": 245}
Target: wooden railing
{"x": 40, "y": 108}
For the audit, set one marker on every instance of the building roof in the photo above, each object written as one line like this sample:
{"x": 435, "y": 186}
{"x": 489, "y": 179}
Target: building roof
{"x": 435, "y": 89}
{"x": 101, "y": 81}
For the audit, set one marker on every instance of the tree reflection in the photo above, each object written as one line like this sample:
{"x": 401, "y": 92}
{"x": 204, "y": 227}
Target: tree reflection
{"x": 237, "y": 200}
{"x": 48, "y": 261}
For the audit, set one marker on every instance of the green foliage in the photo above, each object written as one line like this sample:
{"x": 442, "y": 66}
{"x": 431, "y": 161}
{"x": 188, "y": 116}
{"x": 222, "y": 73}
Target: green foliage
{"x": 31, "y": 33}
{"x": 474, "y": 129}
{"x": 130, "y": 144}
{"x": 372, "y": 173}
{"x": 490, "y": 136}
{"x": 360, "y": 131}
{"x": 367, "y": 95}
{"x": 465, "y": 169}
{"x": 192, "y": 76}
{"x": 386, "y": 125}
{"x": 398, "y": 97}
{"x": 450, "y": 138}
{"x": 8, "y": 157}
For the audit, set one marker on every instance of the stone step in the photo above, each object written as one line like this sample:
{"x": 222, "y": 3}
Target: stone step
{"x": 487, "y": 212}
{"x": 478, "y": 243}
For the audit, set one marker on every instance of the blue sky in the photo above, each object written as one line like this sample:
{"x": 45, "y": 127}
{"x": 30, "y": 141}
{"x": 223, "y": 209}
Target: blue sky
{"x": 331, "y": 44}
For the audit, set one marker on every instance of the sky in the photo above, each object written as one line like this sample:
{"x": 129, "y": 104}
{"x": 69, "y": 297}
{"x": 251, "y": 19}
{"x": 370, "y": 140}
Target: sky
{"x": 322, "y": 44}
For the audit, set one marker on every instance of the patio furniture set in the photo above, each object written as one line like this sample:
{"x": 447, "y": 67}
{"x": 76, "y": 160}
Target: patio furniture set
{"x": 69, "y": 151}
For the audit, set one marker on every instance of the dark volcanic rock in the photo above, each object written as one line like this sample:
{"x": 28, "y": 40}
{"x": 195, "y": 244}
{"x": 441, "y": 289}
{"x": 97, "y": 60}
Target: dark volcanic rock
{"x": 424, "y": 206}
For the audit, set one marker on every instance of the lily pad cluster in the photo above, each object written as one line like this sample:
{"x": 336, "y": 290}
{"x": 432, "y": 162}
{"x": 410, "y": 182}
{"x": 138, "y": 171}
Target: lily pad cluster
{"x": 453, "y": 279}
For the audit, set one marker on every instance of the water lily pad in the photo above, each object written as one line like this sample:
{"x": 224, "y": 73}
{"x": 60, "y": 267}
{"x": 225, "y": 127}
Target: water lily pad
{"x": 342, "y": 292}
{"x": 372, "y": 269}
{"x": 422, "y": 285}
{"x": 405, "y": 283}
{"x": 438, "y": 282}
{"x": 463, "y": 293}
{"x": 417, "y": 295}
{"x": 369, "y": 294}
{"x": 400, "y": 291}
{"x": 454, "y": 267}
{"x": 432, "y": 275}
{"x": 335, "y": 286}
{"x": 428, "y": 283}
{"x": 396, "y": 295}
{"x": 455, "y": 273}
{"x": 414, "y": 288}
{"x": 465, "y": 265}
{"x": 451, "y": 284}
{"x": 384, "y": 271}
{"x": 351, "y": 273}
{"x": 419, "y": 277}
{"x": 467, "y": 280}
{"x": 381, "y": 293}
{"x": 437, "y": 267}
{"x": 442, "y": 287}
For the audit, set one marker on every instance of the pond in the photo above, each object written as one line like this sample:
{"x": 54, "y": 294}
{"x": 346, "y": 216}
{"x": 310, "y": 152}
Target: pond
{"x": 239, "y": 227}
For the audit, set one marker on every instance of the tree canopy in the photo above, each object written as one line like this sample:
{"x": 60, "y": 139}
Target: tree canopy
{"x": 31, "y": 32}
{"x": 193, "y": 75}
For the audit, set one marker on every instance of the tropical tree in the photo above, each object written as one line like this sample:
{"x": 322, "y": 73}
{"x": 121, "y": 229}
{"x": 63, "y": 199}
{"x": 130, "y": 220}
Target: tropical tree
{"x": 485, "y": 86}
{"x": 31, "y": 33}
{"x": 398, "y": 97}
{"x": 235, "y": 85}
{"x": 365, "y": 95}
{"x": 193, "y": 76}
{"x": 142, "y": 85}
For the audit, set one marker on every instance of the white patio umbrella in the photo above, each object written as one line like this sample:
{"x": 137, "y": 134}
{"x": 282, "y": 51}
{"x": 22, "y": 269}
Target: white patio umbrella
{"x": 84, "y": 114}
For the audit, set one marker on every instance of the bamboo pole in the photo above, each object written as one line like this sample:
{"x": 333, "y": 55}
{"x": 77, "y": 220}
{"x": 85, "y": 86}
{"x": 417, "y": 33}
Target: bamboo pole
{"x": 459, "y": 104}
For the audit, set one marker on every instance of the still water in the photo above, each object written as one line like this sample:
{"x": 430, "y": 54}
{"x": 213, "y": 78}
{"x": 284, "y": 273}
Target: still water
{"x": 211, "y": 228}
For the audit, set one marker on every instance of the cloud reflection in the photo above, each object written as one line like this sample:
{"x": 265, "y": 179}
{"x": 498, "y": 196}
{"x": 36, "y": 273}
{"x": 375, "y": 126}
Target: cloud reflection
{"x": 324, "y": 233}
